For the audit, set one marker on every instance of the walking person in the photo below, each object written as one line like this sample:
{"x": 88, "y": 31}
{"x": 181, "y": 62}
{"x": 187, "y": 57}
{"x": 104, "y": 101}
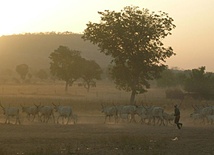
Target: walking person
{"x": 177, "y": 117}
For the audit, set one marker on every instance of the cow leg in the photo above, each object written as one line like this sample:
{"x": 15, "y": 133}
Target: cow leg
{"x": 105, "y": 119}
{"x": 153, "y": 120}
{"x": 133, "y": 115}
{"x": 28, "y": 117}
{"x": 162, "y": 121}
{"x": 150, "y": 120}
{"x": 53, "y": 118}
{"x": 116, "y": 118}
{"x": 47, "y": 118}
{"x": 159, "y": 121}
{"x": 71, "y": 117}
{"x": 67, "y": 120}
{"x": 58, "y": 119}
{"x": 33, "y": 118}
{"x": 42, "y": 117}
{"x": 17, "y": 120}
{"x": 5, "y": 121}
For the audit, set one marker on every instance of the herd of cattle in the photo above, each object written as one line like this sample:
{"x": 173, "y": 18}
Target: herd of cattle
{"x": 147, "y": 114}
{"x": 153, "y": 115}
{"x": 43, "y": 112}
{"x": 203, "y": 114}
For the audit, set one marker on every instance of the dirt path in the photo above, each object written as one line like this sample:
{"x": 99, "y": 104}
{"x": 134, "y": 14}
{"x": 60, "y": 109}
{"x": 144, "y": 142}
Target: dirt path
{"x": 98, "y": 138}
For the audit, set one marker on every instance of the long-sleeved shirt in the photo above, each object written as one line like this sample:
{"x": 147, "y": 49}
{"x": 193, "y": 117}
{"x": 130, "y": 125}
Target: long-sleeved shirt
{"x": 177, "y": 112}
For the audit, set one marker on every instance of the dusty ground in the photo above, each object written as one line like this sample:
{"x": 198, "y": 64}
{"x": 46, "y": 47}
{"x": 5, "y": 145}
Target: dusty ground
{"x": 92, "y": 136}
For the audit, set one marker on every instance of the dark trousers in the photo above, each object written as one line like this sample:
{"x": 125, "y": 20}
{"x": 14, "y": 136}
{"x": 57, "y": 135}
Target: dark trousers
{"x": 177, "y": 118}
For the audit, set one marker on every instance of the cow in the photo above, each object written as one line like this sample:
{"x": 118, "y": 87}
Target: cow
{"x": 141, "y": 111}
{"x": 128, "y": 110}
{"x": 11, "y": 112}
{"x": 31, "y": 111}
{"x": 169, "y": 118}
{"x": 204, "y": 112}
{"x": 210, "y": 119}
{"x": 110, "y": 111}
{"x": 153, "y": 113}
{"x": 46, "y": 112}
{"x": 196, "y": 117}
{"x": 64, "y": 112}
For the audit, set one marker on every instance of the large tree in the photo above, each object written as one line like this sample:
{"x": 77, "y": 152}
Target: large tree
{"x": 65, "y": 65}
{"x": 133, "y": 37}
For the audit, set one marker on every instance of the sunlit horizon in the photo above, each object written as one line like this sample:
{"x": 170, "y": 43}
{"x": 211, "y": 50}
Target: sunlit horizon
{"x": 192, "y": 39}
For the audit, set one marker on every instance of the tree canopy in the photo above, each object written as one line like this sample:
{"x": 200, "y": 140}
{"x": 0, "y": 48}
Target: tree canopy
{"x": 91, "y": 71}
{"x": 200, "y": 82}
{"x": 42, "y": 74}
{"x": 196, "y": 83}
{"x": 133, "y": 38}
{"x": 22, "y": 70}
{"x": 172, "y": 78}
{"x": 65, "y": 65}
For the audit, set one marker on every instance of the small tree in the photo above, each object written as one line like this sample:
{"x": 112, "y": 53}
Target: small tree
{"x": 91, "y": 71}
{"x": 200, "y": 82}
{"x": 65, "y": 65}
{"x": 42, "y": 74}
{"x": 22, "y": 70}
{"x": 133, "y": 37}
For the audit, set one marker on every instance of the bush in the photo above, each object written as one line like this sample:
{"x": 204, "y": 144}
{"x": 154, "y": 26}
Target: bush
{"x": 174, "y": 94}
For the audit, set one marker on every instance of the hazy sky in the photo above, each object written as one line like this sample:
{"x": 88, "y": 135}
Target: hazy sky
{"x": 192, "y": 39}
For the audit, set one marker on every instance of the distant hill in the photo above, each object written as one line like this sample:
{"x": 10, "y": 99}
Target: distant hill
{"x": 34, "y": 49}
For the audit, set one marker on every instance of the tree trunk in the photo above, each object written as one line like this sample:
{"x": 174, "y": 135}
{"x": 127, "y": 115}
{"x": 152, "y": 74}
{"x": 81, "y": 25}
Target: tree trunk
{"x": 66, "y": 86}
{"x": 88, "y": 89}
{"x": 132, "y": 99}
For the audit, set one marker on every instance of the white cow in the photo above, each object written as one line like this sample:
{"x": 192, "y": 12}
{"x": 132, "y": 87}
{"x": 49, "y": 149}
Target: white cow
{"x": 210, "y": 119}
{"x": 120, "y": 116}
{"x": 204, "y": 112}
{"x": 124, "y": 117}
{"x": 109, "y": 111}
{"x": 11, "y": 112}
{"x": 169, "y": 118}
{"x": 196, "y": 117}
{"x": 141, "y": 111}
{"x": 31, "y": 111}
{"x": 128, "y": 110}
{"x": 46, "y": 112}
{"x": 75, "y": 118}
{"x": 65, "y": 112}
{"x": 154, "y": 113}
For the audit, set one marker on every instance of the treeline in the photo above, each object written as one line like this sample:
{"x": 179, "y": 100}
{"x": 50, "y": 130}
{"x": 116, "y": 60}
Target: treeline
{"x": 196, "y": 83}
